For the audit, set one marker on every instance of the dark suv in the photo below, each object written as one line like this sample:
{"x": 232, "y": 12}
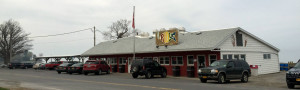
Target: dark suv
{"x": 225, "y": 70}
{"x": 293, "y": 76}
{"x": 148, "y": 68}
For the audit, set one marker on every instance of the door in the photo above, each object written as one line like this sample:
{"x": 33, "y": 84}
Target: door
{"x": 230, "y": 70}
{"x": 129, "y": 64}
{"x": 201, "y": 61}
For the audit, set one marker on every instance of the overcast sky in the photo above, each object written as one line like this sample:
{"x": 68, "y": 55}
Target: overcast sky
{"x": 275, "y": 21}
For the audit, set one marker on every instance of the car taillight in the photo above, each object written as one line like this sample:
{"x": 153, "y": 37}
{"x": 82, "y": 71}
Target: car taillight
{"x": 65, "y": 68}
{"x": 78, "y": 67}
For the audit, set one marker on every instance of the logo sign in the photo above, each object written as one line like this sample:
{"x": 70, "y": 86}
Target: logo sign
{"x": 169, "y": 37}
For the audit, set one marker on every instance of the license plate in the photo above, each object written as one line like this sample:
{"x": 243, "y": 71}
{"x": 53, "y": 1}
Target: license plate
{"x": 298, "y": 79}
{"x": 204, "y": 76}
{"x": 73, "y": 68}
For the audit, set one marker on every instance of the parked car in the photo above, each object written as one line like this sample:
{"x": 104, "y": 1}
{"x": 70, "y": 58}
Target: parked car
{"x": 42, "y": 66}
{"x": 148, "y": 68}
{"x": 63, "y": 67}
{"x": 14, "y": 65}
{"x": 36, "y": 65}
{"x": 53, "y": 65}
{"x": 293, "y": 76}
{"x": 95, "y": 66}
{"x": 76, "y": 68}
{"x": 225, "y": 70}
{"x": 3, "y": 65}
{"x": 26, "y": 65}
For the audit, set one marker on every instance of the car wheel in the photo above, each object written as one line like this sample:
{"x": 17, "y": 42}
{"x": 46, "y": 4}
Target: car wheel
{"x": 291, "y": 86}
{"x": 70, "y": 73}
{"x": 59, "y": 72}
{"x": 244, "y": 78}
{"x": 148, "y": 75}
{"x": 85, "y": 73}
{"x": 164, "y": 75}
{"x": 203, "y": 80}
{"x": 108, "y": 72}
{"x": 221, "y": 78}
{"x": 98, "y": 72}
{"x": 135, "y": 75}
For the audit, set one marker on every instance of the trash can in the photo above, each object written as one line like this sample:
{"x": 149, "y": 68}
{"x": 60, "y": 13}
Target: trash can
{"x": 190, "y": 71}
{"x": 176, "y": 71}
{"x": 114, "y": 68}
{"x": 121, "y": 68}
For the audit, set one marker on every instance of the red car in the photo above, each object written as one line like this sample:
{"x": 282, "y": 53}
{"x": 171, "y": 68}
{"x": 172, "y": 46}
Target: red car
{"x": 95, "y": 66}
{"x": 53, "y": 65}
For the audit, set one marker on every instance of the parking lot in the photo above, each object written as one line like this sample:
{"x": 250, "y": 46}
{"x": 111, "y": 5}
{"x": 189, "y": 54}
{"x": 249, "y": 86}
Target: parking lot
{"x": 30, "y": 79}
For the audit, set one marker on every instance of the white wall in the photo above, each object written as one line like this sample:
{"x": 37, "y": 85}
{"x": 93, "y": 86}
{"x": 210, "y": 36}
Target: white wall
{"x": 254, "y": 51}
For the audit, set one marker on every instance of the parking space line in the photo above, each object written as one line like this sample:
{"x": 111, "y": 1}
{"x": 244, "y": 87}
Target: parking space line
{"x": 109, "y": 83}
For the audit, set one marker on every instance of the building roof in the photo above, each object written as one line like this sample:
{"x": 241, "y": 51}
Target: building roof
{"x": 189, "y": 41}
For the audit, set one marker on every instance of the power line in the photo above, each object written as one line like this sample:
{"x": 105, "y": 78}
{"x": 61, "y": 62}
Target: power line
{"x": 65, "y": 41}
{"x": 61, "y": 33}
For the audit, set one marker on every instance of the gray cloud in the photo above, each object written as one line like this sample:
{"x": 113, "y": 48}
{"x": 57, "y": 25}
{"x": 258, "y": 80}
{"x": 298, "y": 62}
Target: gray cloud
{"x": 275, "y": 21}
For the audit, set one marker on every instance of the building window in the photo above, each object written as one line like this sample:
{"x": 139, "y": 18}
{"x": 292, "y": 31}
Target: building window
{"x": 164, "y": 60}
{"x": 122, "y": 61}
{"x": 236, "y": 56}
{"x": 177, "y": 60}
{"x": 190, "y": 60}
{"x": 212, "y": 58}
{"x": 239, "y": 39}
{"x": 112, "y": 61}
{"x": 148, "y": 58}
{"x": 267, "y": 56}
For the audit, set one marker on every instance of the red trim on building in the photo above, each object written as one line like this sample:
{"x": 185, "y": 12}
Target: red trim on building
{"x": 184, "y": 54}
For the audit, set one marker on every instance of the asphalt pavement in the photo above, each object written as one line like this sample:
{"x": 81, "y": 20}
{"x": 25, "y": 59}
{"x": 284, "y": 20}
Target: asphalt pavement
{"x": 51, "y": 80}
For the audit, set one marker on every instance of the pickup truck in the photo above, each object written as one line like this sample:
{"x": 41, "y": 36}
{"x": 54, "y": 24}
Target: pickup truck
{"x": 95, "y": 66}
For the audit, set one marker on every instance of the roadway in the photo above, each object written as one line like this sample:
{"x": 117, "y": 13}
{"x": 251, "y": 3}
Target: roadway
{"x": 50, "y": 80}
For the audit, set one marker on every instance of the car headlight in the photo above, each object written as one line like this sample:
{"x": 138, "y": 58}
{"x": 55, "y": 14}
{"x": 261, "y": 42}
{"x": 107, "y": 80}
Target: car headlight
{"x": 199, "y": 71}
{"x": 214, "y": 71}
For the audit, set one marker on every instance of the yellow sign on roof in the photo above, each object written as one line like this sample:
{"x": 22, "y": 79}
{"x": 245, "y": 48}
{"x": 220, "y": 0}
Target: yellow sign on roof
{"x": 169, "y": 37}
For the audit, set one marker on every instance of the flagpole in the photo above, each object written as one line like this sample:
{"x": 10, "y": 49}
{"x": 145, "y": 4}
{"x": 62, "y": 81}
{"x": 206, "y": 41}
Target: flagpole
{"x": 133, "y": 26}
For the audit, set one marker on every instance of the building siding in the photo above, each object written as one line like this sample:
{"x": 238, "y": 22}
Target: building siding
{"x": 254, "y": 51}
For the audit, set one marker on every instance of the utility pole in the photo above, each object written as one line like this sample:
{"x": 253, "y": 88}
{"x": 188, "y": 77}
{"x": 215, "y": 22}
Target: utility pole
{"x": 94, "y": 36}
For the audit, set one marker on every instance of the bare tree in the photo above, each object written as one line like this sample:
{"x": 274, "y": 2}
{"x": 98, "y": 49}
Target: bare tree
{"x": 13, "y": 40}
{"x": 117, "y": 30}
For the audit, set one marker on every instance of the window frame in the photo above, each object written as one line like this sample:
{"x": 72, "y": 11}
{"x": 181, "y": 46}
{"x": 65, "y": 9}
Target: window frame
{"x": 177, "y": 61}
{"x": 164, "y": 60}
{"x": 112, "y": 60}
{"x": 268, "y": 56}
{"x": 122, "y": 60}
{"x": 187, "y": 60}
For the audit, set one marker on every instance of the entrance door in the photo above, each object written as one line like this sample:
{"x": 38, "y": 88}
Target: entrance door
{"x": 201, "y": 61}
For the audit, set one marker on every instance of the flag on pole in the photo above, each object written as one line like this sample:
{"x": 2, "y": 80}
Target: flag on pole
{"x": 133, "y": 26}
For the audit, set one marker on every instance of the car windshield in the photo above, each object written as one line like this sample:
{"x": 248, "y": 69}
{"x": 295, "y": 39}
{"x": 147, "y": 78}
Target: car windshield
{"x": 219, "y": 63}
{"x": 77, "y": 65}
{"x": 64, "y": 64}
{"x": 91, "y": 62}
{"x": 297, "y": 65}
